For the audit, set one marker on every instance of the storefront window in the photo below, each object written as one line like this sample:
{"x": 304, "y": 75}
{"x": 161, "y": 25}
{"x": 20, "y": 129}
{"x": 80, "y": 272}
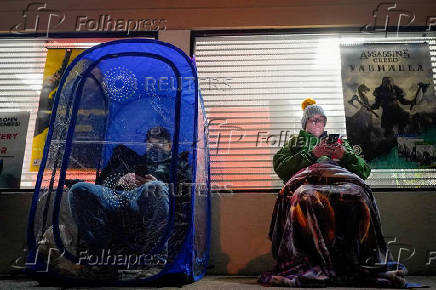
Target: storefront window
{"x": 253, "y": 87}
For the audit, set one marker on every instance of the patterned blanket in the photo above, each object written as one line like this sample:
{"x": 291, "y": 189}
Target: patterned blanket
{"x": 325, "y": 231}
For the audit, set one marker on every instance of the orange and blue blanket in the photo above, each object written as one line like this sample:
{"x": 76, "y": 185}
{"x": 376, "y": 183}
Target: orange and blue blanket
{"x": 326, "y": 231}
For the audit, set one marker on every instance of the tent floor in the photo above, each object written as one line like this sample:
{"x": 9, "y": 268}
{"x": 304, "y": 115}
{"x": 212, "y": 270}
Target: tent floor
{"x": 208, "y": 282}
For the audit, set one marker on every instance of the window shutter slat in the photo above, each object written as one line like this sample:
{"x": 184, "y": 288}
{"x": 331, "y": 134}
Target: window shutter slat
{"x": 254, "y": 85}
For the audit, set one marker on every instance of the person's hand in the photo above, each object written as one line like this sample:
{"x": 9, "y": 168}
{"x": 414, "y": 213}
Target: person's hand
{"x": 321, "y": 149}
{"x": 134, "y": 180}
{"x": 144, "y": 179}
{"x": 336, "y": 150}
{"x": 127, "y": 181}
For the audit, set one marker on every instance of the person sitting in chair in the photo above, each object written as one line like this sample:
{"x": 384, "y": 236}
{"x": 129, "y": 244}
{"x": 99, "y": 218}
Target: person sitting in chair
{"x": 127, "y": 211}
{"x": 325, "y": 228}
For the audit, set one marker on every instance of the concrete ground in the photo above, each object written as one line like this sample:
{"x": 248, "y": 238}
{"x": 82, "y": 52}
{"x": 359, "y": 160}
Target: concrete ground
{"x": 208, "y": 282}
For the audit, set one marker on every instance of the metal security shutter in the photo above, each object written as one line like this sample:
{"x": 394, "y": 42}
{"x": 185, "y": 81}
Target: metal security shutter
{"x": 22, "y": 64}
{"x": 21, "y": 71}
{"x": 253, "y": 87}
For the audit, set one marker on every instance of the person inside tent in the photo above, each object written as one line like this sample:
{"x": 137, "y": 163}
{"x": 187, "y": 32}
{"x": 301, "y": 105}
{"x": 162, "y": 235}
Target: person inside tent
{"x": 325, "y": 228}
{"x": 128, "y": 213}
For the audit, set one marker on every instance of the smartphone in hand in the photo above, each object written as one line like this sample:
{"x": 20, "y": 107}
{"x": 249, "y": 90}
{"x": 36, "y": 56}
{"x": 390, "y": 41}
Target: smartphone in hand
{"x": 332, "y": 138}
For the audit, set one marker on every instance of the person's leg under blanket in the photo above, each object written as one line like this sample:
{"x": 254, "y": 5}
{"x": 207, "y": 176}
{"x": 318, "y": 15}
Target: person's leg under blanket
{"x": 124, "y": 222}
{"x": 152, "y": 204}
{"x": 90, "y": 210}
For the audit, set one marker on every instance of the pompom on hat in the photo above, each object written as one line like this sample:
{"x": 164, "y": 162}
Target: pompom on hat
{"x": 310, "y": 108}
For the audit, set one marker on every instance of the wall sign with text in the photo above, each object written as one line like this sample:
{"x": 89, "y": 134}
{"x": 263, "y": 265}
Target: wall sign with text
{"x": 13, "y": 130}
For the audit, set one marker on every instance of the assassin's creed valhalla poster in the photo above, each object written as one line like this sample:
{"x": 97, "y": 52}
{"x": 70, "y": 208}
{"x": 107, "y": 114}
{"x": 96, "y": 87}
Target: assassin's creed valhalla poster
{"x": 390, "y": 104}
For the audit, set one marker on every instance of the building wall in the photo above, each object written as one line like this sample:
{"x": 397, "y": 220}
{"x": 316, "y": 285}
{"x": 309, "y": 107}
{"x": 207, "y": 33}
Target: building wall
{"x": 240, "y": 226}
{"x": 72, "y": 16}
{"x": 239, "y": 222}
{"x": 239, "y": 229}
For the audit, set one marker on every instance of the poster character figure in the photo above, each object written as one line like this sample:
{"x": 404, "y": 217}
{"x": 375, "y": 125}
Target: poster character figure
{"x": 389, "y": 96}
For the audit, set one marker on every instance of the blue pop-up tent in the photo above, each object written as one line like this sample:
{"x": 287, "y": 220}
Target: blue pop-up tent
{"x": 109, "y": 100}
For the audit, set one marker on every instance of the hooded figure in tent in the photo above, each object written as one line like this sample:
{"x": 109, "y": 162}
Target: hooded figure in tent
{"x": 128, "y": 213}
